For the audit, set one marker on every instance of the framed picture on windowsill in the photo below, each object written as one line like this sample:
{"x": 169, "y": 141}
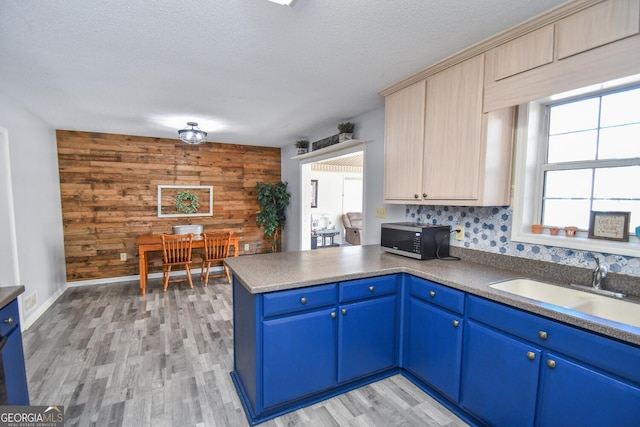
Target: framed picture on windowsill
{"x": 609, "y": 226}
{"x": 314, "y": 193}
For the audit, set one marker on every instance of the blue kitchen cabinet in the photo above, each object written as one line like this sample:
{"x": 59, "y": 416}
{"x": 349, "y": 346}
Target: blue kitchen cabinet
{"x": 575, "y": 394}
{"x": 367, "y": 338}
{"x": 520, "y": 369}
{"x": 15, "y": 375}
{"x": 434, "y": 336}
{"x": 299, "y": 346}
{"x": 299, "y": 355}
{"x": 500, "y": 377}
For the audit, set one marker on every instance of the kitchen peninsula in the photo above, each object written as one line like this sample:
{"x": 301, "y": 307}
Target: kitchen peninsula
{"x": 313, "y": 324}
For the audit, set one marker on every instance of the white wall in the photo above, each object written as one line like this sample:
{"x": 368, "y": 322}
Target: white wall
{"x": 369, "y": 128}
{"x": 9, "y": 274}
{"x": 38, "y": 212}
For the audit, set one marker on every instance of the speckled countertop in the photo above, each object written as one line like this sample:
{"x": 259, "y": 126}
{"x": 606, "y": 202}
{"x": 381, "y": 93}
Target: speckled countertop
{"x": 289, "y": 270}
{"x": 9, "y": 293}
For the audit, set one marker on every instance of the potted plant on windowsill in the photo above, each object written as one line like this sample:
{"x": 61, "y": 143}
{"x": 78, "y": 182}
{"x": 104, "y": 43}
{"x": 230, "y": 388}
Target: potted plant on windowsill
{"x": 346, "y": 131}
{"x": 302, "y": 145}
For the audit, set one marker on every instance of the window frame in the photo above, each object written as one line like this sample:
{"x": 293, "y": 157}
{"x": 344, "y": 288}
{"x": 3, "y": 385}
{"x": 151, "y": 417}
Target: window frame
{"x": 529, "y": 154}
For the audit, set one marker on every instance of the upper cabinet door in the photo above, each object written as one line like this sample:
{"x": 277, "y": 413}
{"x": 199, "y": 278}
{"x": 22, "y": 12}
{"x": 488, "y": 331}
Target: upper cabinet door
{"x": 522, "y": 54}
{"x": 403, "y": 143}
{"x": 453, "y": 134}
{"x": 598, "y": 25}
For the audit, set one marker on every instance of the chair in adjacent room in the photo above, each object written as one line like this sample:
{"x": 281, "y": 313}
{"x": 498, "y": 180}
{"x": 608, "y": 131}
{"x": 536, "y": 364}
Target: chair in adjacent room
{"x": 176, "y": 251}
{"x": 352, "y": 222}
{"x": 216, "y": 249}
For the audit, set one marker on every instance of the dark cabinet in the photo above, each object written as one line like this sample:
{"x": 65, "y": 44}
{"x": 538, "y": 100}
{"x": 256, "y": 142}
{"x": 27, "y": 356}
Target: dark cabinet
{"x": 13, "y": 365}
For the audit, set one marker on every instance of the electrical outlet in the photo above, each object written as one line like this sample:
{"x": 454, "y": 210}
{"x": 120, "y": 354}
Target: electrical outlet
{"x": 123, "y": 256}
{"x": 246, "y": 247}
{"x": 459, "y": 232}
{"x": 30, "y": 301}
{"x": 381, "y": 212}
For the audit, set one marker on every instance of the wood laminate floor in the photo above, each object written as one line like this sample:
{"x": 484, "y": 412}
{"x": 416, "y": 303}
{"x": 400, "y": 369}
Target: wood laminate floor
{"x": 115, "y": 358}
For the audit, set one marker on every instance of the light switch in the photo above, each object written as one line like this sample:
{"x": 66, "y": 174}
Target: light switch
{"x": 381, "y": 212}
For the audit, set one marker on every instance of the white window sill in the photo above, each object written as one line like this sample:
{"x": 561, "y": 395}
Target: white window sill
{"x": 580, "y": 242}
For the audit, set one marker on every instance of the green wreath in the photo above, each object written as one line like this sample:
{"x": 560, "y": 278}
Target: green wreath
{"x": 192, "y": 205}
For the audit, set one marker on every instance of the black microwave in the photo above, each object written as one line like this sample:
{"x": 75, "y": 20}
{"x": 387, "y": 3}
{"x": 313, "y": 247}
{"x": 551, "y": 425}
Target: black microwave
{"x": 417, "y": 241}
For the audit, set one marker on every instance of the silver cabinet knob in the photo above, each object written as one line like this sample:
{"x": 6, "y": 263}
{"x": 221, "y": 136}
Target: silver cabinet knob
{"x": 371, "y": 288}
{"x": 344, "y": 311}
{"x": 9, "y": 320}
{"x": 303, "y": 300}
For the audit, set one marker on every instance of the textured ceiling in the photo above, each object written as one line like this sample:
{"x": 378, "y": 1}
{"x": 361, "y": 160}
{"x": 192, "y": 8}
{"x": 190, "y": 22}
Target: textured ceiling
{"x": 249, "y": 71}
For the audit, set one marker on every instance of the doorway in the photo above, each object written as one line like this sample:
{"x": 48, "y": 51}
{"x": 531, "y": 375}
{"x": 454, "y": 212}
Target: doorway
{"x": 332, "y": 185}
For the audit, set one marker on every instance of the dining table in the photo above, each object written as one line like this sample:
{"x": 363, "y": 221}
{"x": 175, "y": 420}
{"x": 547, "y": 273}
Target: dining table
{"x": 153, "y": 243}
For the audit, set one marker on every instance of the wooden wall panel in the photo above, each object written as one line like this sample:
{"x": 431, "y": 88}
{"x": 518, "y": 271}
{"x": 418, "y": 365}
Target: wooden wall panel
{"x": 109, "y": 187}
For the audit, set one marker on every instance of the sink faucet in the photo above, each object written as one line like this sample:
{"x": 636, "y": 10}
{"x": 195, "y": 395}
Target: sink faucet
{"x": 599, "y": 273}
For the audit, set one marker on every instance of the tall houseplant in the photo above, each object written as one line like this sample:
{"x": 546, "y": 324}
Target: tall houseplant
{"x": 273, "y": 199}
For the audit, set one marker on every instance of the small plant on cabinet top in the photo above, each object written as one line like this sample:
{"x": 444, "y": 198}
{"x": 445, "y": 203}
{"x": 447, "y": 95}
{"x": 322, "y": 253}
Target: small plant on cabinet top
{"x": 346, "y": 131}
{"x": 346, "y": 127}
{"x": 302, "y": 145}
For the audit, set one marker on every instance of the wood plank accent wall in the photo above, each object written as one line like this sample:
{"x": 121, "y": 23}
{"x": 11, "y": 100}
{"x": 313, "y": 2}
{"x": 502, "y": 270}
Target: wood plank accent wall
{"x": 109, "y": 187}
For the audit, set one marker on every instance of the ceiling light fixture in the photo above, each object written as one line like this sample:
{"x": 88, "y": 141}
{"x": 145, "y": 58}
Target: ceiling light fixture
{"x": 192, "y": 135}
{"x": 284, "y": 2}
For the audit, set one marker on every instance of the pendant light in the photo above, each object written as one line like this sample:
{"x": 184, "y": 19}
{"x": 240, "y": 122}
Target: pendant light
{"x": 192, "y": 134}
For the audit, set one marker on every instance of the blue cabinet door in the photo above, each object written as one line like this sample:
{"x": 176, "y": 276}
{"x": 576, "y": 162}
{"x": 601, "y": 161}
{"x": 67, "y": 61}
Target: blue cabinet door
{"x": 367, "y": 337}
{"x": 499, "y": 377}
{"x": 14, "y": 369}
{"x": 435, "y": 347}
{"x": 576, "y": 395}
{"x": 300, "y": 356}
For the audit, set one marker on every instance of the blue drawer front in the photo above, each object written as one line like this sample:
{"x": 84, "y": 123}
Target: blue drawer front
{"x": 440, "y": 295}
{"x": 368, "y": 288}
{"x": 295, "y": 300}
{"x": 605, "y": 353}
{"x": 9, "y": 317}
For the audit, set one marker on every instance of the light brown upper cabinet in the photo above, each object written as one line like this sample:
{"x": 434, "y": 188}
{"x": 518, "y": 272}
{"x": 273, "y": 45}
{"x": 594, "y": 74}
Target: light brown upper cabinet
{"x": 404, "y": 142}
{"x": 522, "y": 54}
{"x": 595, "y": 44}
{"x": 465, "y": 154}
{"x": 596, "y": 26}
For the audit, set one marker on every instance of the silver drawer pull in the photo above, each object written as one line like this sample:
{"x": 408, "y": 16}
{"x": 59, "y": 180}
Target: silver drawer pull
{"x": 9, "y": 320}
{"x": 303, "y": 300}
{"x": 371, "y": 288}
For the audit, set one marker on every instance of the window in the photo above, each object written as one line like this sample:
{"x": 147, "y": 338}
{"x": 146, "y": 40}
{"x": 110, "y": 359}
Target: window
{"x": 592, "y": 159}
{"x": 575, "y": 155}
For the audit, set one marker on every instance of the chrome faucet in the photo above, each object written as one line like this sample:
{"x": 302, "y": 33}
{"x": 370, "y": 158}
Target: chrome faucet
{"x": 599, "y": 273}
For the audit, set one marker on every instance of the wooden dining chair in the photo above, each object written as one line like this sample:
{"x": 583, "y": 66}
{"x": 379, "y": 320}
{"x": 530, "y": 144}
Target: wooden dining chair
{"x": 216, "y": 249}
{"x": 176, "y": 251}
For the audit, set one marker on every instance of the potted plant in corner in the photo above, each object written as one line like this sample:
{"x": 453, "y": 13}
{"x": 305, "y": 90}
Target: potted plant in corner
{"x": 346, "y": 131}
{"x": 302, "y": 145}
{"x": 273, "y": 199}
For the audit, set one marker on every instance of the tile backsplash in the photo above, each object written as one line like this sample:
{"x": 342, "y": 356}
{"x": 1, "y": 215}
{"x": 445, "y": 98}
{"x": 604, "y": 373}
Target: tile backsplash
{"x": 488, "y": 229}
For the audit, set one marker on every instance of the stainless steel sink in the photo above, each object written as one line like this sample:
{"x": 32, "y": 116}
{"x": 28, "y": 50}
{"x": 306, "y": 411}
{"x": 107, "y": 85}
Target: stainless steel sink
{"x": 618, "y": 310}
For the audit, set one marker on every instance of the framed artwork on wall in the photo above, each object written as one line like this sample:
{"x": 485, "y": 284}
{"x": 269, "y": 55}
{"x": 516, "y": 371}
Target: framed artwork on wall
{"x": 314, "y": 193}
{"x": 185, "y": 200}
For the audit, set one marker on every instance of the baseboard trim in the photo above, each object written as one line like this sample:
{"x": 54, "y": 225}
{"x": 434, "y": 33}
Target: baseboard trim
{"x": 35, "y": 315}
